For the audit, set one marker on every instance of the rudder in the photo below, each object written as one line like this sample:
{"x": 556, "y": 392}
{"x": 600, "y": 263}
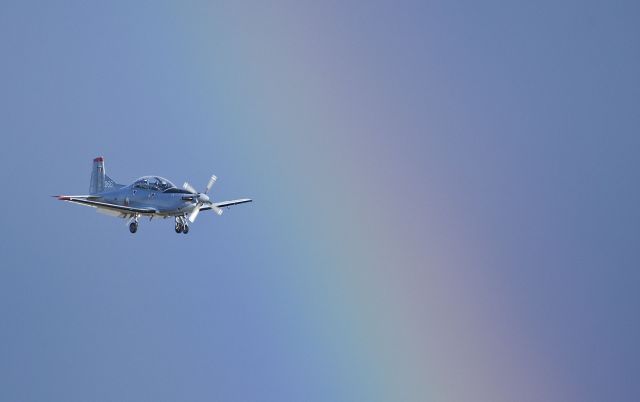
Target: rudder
{"x": 97, "y": 176}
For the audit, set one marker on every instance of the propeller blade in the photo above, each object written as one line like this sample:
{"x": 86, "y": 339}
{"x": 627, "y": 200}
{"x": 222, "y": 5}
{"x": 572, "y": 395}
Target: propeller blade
{"x": 194, "y": 214}
{"x": 189, "y": 187}
{"x": 210, "y": 184}
{"x": 217, "y": 210}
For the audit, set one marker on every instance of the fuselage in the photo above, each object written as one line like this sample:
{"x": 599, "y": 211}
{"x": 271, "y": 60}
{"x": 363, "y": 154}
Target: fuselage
{"x": 159, "y": 194}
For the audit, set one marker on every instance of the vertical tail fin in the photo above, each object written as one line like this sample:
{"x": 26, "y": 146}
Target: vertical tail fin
{"x": 99, "y": 180}
{"x": 97, "y": 176}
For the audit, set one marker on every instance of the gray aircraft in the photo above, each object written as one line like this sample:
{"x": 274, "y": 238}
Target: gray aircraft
{"x": 151, "y": 196}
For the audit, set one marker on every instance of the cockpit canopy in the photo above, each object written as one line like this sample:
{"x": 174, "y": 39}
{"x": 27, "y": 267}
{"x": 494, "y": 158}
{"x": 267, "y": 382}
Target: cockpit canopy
{"x": 153, "y": 183}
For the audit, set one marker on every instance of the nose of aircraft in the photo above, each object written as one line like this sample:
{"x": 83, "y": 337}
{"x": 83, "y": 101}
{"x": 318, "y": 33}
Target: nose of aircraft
{"x": 203, "y": 197}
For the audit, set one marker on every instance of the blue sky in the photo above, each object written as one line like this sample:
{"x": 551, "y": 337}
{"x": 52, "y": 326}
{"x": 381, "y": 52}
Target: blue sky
{"x": 445, "y": 201}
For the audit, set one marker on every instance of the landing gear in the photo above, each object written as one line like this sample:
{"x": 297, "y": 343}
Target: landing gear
{"x": 133, "y": 224}
{"x": 181, "y": 225}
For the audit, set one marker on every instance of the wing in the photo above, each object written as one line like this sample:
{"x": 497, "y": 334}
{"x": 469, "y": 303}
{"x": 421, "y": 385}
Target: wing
{"x": 225, "y": 204}
{"x": 91, "y": 201}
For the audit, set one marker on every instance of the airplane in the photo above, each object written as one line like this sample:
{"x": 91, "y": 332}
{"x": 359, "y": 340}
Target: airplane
{"x": 151, "y": 196}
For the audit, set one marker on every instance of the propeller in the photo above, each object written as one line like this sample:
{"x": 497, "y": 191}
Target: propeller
{"x": 189, "y": 188}
{"x": 201, "y": 199}
{"x": 210, "y": 184}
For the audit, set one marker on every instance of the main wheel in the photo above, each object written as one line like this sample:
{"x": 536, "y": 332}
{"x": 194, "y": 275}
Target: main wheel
{"x": 133, "y": 227}
{"x": 178, "y": 228}
{"x": 185, "y": 229}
